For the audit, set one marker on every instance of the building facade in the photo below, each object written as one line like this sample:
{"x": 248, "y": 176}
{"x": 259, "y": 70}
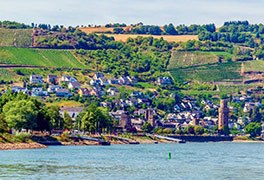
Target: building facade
{"x": 223, "y": 116}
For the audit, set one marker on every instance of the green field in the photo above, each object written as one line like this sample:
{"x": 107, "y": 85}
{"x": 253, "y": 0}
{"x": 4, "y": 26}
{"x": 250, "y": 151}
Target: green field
{"x": 39, "y": 57}
{"x": 256, "y": 65}
{"x": 15, "y": 37}
{"x": 209, "y": 73}
{"x": 185, "y": 59}
{"x": 7, "y": 75}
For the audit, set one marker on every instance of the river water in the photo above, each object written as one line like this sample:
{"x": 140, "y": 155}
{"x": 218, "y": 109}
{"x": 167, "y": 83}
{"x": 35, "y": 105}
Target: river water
{"x": 223, "y": 160}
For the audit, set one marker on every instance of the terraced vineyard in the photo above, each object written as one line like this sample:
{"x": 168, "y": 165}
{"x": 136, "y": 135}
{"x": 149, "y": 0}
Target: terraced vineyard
{"x": 186, "y": 59}
{"x": 39, "y": 57}
{"x": 209, "y": 73}
{"x": 15, "y": 37}
{"x": 254, "y": 66}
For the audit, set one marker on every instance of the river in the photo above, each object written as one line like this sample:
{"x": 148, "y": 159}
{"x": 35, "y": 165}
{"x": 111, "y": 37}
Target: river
{"x": 224, "y": 160}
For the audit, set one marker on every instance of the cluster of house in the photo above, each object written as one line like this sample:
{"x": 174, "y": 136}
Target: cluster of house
{"x": 100, "y": 80}
{"x": 185, "y": 113}
{"x": 70, "y": 83}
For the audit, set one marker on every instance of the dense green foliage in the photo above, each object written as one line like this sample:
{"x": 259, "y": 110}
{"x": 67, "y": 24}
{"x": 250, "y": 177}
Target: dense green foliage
{"x": 13, "y": 25}
{"x": 75, "y": 39}
{"x": 139, "y": 55}
{"x": 3, "y": 124}
{"x": 254, "y": 129}
{"x": 22, "y": 112}
{"x": 94, "y": 119}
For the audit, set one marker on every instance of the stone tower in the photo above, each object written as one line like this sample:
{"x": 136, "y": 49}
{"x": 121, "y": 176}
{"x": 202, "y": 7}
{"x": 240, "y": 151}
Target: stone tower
{"x": 149, "y": 116}
{"x": 223, "y": 116}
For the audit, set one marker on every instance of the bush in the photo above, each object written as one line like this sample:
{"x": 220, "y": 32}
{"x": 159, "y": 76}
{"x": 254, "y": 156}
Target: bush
{"x": 22, "y": 137}
{"x": 64, "y": 137}
{"x": 167, "y": 131}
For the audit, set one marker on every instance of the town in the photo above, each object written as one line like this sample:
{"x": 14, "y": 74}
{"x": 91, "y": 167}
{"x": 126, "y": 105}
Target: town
{"x": 137, "y": 111}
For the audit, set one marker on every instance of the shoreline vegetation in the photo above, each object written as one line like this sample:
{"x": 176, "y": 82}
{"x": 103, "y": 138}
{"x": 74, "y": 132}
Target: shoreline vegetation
{"x": 141, "y": 140}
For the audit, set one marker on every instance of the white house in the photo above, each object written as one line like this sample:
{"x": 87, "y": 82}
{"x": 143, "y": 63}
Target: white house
{"x": 36, "y": 79}
{"x": 38, "y": 92}
{"x": 74, "y": 85}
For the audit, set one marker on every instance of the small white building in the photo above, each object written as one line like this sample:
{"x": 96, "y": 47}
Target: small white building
{"x": 36, "y": 79}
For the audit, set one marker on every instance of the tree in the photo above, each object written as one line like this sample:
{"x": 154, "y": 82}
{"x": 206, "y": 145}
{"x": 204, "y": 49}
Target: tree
{"x": 3, "y": 124}
{"x": 53, "y": 114}
{"x": 189, "y": 129}
{"x": 21, "y": 114}
{"x": 254, "y": 129}
{"x": 199, "y": 130}
{"x": 118, "y": 30}
{"x": 67, "y": 121}
{"x": 96, "y": 119}
{"x": 147, "y": 128}
{"x": 170, "y": 29}
{"x": 256, "y": 115}
{"x": 167, "y": 131}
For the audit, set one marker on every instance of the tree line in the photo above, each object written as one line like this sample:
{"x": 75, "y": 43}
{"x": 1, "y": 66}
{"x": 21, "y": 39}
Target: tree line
{"x": 19, "y": 111}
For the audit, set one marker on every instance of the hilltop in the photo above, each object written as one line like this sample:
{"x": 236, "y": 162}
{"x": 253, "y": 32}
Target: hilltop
{"x": 144, "y": 51}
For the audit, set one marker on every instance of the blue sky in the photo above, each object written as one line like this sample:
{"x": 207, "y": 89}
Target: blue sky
{"x": 160, "y": 12}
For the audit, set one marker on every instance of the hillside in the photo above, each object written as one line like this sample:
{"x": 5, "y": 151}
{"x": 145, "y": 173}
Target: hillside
{"x": 39, "y": 57}
{"x": 254, "y": 66}
{"x": 186, "y": 58}
{"x": 15, "y": 37}
{"x": 209, "y": 73}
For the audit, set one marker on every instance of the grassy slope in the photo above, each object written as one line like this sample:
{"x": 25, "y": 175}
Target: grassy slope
{"x": 185, "y": 59}
{"x": 7, "y": 75}
{"x": 15, "y": 37}
{"x": 208, "y": 73}
{"x": 256, "y": 65}
{"x": 39, "y": 57}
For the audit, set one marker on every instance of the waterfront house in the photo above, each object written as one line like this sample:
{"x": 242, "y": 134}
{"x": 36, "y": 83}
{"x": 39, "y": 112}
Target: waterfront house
{"x": 72, "y": 111}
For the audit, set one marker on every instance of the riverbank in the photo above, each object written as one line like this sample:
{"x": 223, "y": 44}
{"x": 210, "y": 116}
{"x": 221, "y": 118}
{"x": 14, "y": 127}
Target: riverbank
{"x": 139, "y": 139}
{"x": 17, "y": 146}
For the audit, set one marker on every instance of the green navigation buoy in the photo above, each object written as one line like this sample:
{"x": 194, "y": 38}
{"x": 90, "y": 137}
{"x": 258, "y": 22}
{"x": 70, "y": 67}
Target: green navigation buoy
{"x": 169, "y": 155}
